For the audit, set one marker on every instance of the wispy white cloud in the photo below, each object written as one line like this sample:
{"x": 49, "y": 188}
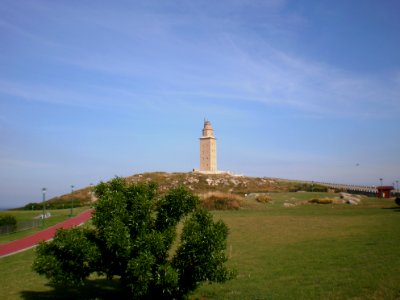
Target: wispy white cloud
{"x": 196, "y": 54}
{"x": 223, "y": 64}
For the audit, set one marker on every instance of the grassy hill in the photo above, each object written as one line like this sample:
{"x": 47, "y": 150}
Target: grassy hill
{"x": 196, "y": 182}
{"x": 201, "y": 183}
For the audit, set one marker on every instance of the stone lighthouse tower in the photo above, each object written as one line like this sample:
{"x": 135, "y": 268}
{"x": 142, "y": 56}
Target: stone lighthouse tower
{"x": 208, "y": 149}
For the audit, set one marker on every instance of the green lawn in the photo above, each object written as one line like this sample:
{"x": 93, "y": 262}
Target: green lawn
{"x": 57, "y": 216}
{"x": 312, "y": 251}
{"x": 302, "y": 252}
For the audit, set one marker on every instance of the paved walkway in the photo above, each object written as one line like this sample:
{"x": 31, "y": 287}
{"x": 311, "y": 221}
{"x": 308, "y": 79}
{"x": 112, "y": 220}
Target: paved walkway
{"x": 44, "y": 235}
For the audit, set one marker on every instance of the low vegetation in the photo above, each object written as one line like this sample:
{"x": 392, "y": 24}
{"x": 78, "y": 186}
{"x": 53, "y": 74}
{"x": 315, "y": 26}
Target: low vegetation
{"x": 131, "y": 238}
{"x": 220, "y": 201}
{"x": 307, "y": 187}
{"x": 321, "y": 201}
{"x": 263, "y": 198}
{"x": 8, "y": 221}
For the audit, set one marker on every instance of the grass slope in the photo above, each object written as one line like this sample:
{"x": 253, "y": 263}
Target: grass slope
{"x": 303, "y": 252}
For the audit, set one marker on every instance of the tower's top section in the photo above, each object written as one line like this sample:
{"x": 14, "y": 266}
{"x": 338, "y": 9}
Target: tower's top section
{"x": 208, "y": 131}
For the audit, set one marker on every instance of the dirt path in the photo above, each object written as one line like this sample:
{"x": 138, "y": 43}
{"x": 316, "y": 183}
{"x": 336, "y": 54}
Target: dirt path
{"x": 44, "y": 235}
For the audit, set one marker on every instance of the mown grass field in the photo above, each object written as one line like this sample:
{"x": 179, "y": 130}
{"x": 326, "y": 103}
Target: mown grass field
{"x": 315, "y": 251}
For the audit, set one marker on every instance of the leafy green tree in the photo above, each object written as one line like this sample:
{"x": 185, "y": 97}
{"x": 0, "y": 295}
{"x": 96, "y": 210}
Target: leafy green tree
{"x": 132, "y": 235}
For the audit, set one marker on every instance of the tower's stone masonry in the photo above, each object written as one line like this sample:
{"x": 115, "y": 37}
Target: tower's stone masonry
{"x": 208, "y": 149}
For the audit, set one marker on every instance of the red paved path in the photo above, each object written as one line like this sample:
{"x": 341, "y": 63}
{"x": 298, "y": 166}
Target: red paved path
{"x": 44, "y": 235}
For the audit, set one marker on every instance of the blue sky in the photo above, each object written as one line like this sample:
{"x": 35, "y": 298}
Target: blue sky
{"x": 294, "y": 89}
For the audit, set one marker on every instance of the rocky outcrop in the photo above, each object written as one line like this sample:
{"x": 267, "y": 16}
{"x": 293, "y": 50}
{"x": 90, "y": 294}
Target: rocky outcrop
{"x": 350, "y": 199}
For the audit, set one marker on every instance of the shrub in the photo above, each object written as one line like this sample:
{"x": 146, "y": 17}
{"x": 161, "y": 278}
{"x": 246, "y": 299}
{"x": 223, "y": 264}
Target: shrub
{"x": 263, "y": 198}
{"x": 8, "y": 220}
{"x": 397, "y": 200}
{"x": 69, "y": 258}
{"x": 132, "y": 234}
{"x": 307, "y": 187}
{"x": 220, "y": 201}
{"x": 320, "y": 201}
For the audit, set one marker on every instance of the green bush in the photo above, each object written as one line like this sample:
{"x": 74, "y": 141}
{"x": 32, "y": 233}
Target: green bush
{"x": 8, "y": 220}
{"x": 202, "y": 239}
{"x": 69, "y": 258}
{"x": 397, "y": 200}
{"x": 131, "y": 238}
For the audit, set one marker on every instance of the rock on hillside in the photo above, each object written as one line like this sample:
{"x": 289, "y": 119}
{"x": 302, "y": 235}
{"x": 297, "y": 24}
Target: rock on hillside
{"x": 350, "y": 199}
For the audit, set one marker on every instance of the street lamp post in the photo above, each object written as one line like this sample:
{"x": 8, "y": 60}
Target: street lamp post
{"x": 381, "y": 180}
{"x": 72, "y": 199}
{"x": 44, "y": 198}
{"x": 91, "y": 193}
{"x": 397, "y": 184}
